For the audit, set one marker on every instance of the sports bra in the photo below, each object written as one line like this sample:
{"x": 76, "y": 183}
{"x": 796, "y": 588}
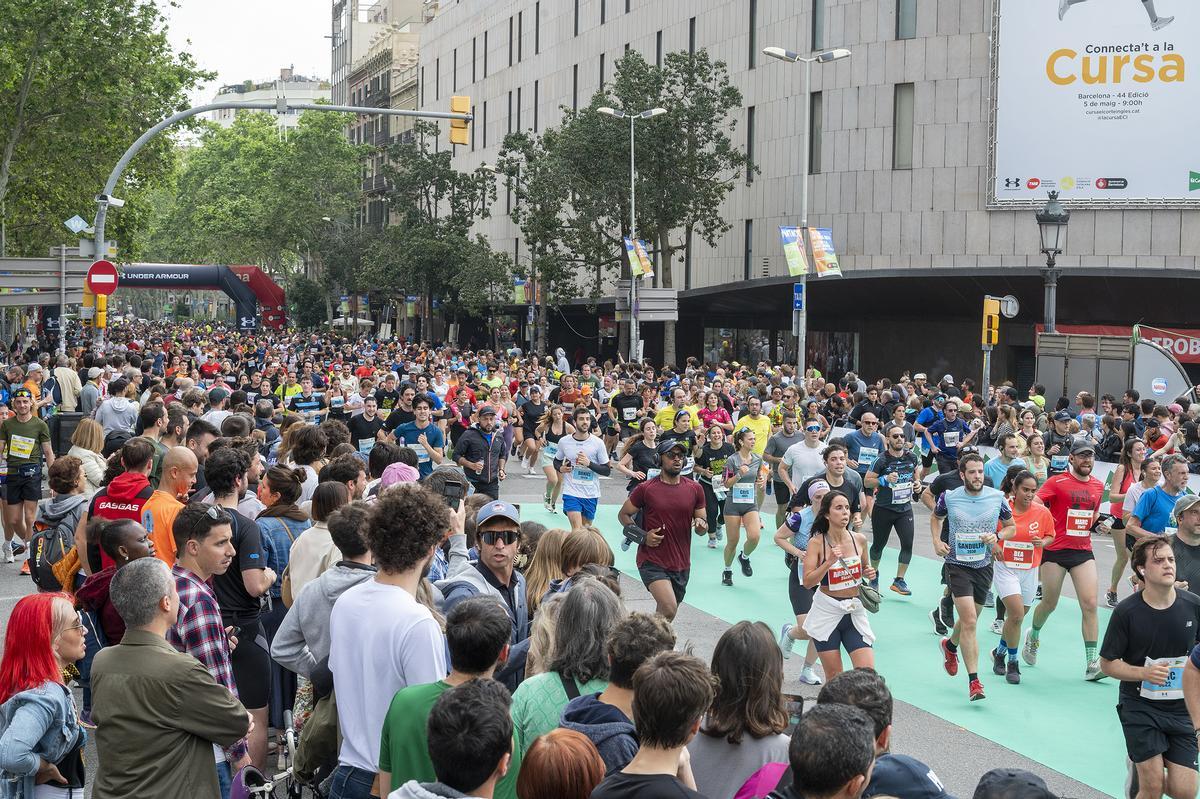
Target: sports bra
{"x": 846, "y": 574}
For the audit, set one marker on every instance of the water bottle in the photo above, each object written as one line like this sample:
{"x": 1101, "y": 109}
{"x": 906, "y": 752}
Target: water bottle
{"x": 625, "y": 545}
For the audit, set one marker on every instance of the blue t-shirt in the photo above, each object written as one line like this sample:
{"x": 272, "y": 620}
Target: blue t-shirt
{"x": 408, "y": 433}
{"x": 969, "y": 517}
{"x": 948, "y": 435}
{"x": 864, "y": 449}
{"x": 1154, "y": 509}
{"x": 926, "y": 417}
{"x": 996, "y": 469}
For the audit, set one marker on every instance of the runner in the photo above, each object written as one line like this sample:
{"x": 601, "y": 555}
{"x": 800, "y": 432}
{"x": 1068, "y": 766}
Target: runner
{"x": 1015, "y": 575}
{"x": 1073, "y": 498}
{"x": 1133, "y": 455}
{"x": 423, "y": 437}
{"x": 837, "y": 618}
{"x": 529, "y": 413}
{"x": 788, "y": 435}
{"x": 793, "y": 537}
{"x": 841, "y": 479}
{"x": 683, "y": 431}
{"x": 743, "y": 475}
{"x": 863, "y": 446}
{"x": 802, "y": 460}
{"x": 364, "y": 428}
{"x": 897, "y": 475}
{"x": 670, "y": 507}
{"x": 710, "y": 468}
{"x": 24, "y": 444}
{"x": 970, "y": 516}
{"x": 582, "y": 459}
{"x": 550, "y": 430}
{"x": 947, "y": 435}
{"x": 639, "y": 456}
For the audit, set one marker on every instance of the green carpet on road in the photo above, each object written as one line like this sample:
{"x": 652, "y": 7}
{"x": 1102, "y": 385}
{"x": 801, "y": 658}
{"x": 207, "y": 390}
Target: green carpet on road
{"x": 1053, "y": 717}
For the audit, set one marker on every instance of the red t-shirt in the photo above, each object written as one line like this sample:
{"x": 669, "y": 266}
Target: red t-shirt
{"x": 672, "y": 508}
{"x": 1073, "y": 504}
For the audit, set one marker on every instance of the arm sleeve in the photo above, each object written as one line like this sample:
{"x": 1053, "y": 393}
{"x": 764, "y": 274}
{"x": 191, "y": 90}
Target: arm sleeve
{"x": 939, "y": 510}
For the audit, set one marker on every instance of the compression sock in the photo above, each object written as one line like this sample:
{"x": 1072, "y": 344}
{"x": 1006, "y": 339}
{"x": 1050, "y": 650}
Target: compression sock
{"x": 1012, "y": 654}
{"x": 972, "y": 676}
{"x": 1089, "y": 650}
{"x": 951, "y": 647}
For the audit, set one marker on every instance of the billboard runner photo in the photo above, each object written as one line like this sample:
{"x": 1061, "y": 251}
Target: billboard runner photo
{"x": 1156, "y": 22}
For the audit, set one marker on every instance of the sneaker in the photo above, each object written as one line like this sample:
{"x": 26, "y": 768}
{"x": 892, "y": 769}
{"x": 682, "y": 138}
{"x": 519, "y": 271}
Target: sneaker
{"x": 990, "y": 600}
{"x": 950, "y": 659}
{"x": 721, "y": 533}
{"x": 712, "y": 543}
{"x": 18, "y": 547}
{"x": 1013, "y": 673}
{"x": 1093, "y": 673}
{"x": 1038, "y": 595}
{"x": 1111, "y": 598}
{"x": 8, "y": 555}
{"x": 1161, "y": 23}
{"x": 25, "y": 567}
{"x": 997, "y": 627}
{"x": 901, "y": 587}
{"x": 938, "y": 627}
{"x": 727, "y": 577}
{"x": 546, "y": 504}
{"x": 976, "y": 690}
{"x": 874, "y": 582}
{"x": 998, "y": 659}
{"x": 1030, "y": 650}
{"x": 946, "y": 615}
{"x": 745, "y": 563}
{"x": 786, "y": 641}
{"x": 809, "y": 676}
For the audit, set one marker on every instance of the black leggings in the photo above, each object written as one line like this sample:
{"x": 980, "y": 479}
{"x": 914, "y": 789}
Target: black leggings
{"x": 715, "y": 507}
{"x": 883, "y": 519}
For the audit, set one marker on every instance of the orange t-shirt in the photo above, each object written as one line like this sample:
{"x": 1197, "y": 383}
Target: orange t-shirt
{"x": 158, "y": 517}
{"x": 1019, "y": 552}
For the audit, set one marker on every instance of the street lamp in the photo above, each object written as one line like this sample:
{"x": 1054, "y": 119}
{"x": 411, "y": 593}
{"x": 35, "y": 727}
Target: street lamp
{"x": 634, "y": 331}
{"x": 824, "y": 57}
{"x": 1052, "y": 228}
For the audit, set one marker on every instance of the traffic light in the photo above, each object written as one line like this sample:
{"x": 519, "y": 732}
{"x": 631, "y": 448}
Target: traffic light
{"x": 101, "y": 321}
{"x": 991, "y": 322}
{"x": 460, "y": 129}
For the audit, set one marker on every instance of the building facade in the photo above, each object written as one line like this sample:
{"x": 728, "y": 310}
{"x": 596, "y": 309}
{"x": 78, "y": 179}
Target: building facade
{"x": 900, "y": 147}
{"x": 296, "y": 88}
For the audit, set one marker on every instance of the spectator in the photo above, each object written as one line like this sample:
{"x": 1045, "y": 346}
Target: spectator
{"x": 672, "y": 692}
{"x": 606, "y": 717}
{"x": 544, "y": 567}
{"x": 470, "y": 743}
{"x": 562, "y": 764}
{"x": 831, "y": 754}
{"x": 1011, "y": 783}
{"x": 744, "y": 728}
{"x": 179, "y": 469}
{"x": 117, "y": 414}
{"x": 124, "y": 541}
{"x": 86, "y": 444}
{"x": 541, "y": 636}
{"x": 162, "y": 711}
{"x": 124, "y": 497}
{"x": 498, "y": 529}
{"x": 314, "y": 552}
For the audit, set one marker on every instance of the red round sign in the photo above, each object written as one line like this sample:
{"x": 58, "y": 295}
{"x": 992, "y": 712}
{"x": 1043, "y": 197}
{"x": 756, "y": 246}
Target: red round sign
{"x": 102, "y": 278}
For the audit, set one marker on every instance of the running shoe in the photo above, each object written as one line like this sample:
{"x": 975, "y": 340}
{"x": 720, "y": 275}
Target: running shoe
{"x": 938, "y": 627}
{"x": 25, "y": 566}
{"x": 727, "y": 577}
{"x": 976, "y": 690}
{"x": 1111, "y": 598}
{"x": 721, "y": 532}
{"x": 546, "y": 504}
{"x": 999, "y": 658}
{"x": 18, "y": 547}
{"x": 712, "y": 543}
{"x": 1030, "y": 650}
{"x": 1161, "y": 23}
{"x": 901, "y": 587}
{"x": 786, "y": 641}
{"x": 8, "y": 555}
{"x": 1038, "y": 595}
{"x": 990, "y": 600}
{"x": 1093, "y": 673}
{"x": 874, "y": 582}
{"x": 1013, "y": 674}
{"x": 946, "y": 612}
{"x": 745, "y": 564}
{"x": 950, "y": 659}
{"x": 997, "y": 627}
{"x": 809, "y": 676}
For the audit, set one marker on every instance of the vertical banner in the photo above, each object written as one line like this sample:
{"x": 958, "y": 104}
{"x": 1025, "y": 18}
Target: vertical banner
{"x": 647, "y": 264}
{"x": 824, "y": 258}
{"x": 793, "y": 250}
{"x": 519, "y": 297}
{"x": 635, "y": 263}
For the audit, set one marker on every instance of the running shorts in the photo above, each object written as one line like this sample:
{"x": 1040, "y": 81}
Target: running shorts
{"x": 964, "y": 581}
{"x": 1010, "y": 582}
{"x": 1151, "y": 730}
{"x": 1067, "y": 558}
{"x": 652, "y": 573}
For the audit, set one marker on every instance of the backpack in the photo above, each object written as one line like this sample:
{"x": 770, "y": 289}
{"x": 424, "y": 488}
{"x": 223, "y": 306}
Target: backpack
{"x": 49, "y": 545}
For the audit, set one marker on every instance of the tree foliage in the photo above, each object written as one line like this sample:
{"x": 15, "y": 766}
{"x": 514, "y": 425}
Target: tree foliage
{"x": 80, "y": 80}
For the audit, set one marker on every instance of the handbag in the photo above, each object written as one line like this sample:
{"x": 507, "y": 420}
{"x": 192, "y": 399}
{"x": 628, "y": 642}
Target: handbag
{"x": 870, "y": 597}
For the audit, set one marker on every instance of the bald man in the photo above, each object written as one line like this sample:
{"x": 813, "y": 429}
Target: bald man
{"x": 179, "y": 468}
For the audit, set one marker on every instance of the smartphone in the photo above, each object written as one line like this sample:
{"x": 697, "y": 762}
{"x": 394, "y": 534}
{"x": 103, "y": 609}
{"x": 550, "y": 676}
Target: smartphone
{"x": 453, "y": 493}
{"x": 794, "y": 703}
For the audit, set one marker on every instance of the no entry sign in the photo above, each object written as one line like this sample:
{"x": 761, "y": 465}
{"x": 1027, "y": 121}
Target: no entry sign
{"x": 102, "y": 278}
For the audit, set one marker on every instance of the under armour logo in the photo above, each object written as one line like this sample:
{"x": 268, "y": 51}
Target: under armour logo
{"x": 1012, "y": 183}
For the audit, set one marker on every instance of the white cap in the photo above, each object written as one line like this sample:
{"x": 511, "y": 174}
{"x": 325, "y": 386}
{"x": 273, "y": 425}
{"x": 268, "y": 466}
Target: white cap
{"x": 947, "y": 378}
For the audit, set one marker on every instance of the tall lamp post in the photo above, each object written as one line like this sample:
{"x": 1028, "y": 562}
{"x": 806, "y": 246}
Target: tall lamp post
{"x": 820, "y": 58}
{"x": 634, "y": 331}
{"x": 1052, "y": 226}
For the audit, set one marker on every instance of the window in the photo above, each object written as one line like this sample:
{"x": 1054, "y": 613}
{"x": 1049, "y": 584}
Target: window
{"x": 473, "y": 59}
{"x": 437, "y": 83}
{"x": 818, "y": 24}
{"x": 603, "y": 11}
{"x": 906, "y": 19}
{"x": 474, "y": 124}
{"x": 575, "y": 88}
{"x": 510, "y": 113}
{"x": 815, "y": 124}
{"x": 454, "y": 72}
{"x": 902, "y": 137}
{"x": 520, "y": 36}
{"x": 752, "y": 50}
{"x": 422, "y": 86}
{"x": 485, "y": 53}
{"x": 748, "y": 248}
{"x": 626, "y": 48}
{"x": 576, "y": 17}
{"x": 537, "y": 28}
{"x": 658, "y": 49}
{"x": 518, "y": 109}
{"x": 692, "y": 36}
{"x": 750, "y": 144}
{"x": 535, "y": 106}
{"x": 602, "y": 70}
{"x": 627, "y": 2}
{"x": 485, "y": 124}
{"x": 510, "y": 41}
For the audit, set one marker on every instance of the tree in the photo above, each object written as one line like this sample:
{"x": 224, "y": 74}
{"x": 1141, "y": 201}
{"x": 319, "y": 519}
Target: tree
{"x": 80, "y": 80}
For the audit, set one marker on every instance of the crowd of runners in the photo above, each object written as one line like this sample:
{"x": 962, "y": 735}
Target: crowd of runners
{"x": 247, "y": 530}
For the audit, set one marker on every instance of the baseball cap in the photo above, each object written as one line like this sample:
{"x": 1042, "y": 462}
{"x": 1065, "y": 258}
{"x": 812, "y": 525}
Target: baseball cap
{"x": 1185, "y": 503}
{"x": 497, "y": 509}
{"x": 900, "y": 775}
{"x": 1062, "y": 416}
{"x": 33, "y": 367}
{"x": 1005, "y": 782}
{"x": 1082, "y": 445}
{"x": 1175, "y": 408}
{"x": 217, "y": 395}
{"x": 670, "y": 444}
{"x": 487, "y": 410}
{"x": 93, "y": 373}
{"x": 920, "y": 376}
{"x": 947, "y": 378}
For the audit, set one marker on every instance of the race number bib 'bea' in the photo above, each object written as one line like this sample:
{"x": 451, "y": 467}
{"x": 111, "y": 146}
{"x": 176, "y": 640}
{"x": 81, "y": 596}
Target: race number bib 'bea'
{"x": 743, "y": 493}
{"x": 845, "y": 574}
{"x": 1018, "y": 554}
{"x": 1173, "y": 687}
{"x": 1079, "y": 522}
{"x": 969, "y": 547}
{"x": 20, "y": 446}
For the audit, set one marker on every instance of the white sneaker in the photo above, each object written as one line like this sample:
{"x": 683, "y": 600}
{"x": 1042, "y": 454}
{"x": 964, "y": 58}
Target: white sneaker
{"x": 712, "y": 543}
{"x": 997, "y": 627}
{"x": 8, "y": 555}
{"x": 808, "y": 676}
{"x": 1093, "y": 672}
{"x": 786, "y": 642}
{"x": 1161, "y": 23}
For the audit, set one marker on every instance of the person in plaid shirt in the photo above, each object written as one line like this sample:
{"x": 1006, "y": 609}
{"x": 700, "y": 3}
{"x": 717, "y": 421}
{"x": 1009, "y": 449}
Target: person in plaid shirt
{"x": 203, "y": 540}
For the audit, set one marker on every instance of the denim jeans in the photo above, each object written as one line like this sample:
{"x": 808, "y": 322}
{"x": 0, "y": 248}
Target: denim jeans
{"x": 351, "y": 783}
{"x": 224, "y": 778}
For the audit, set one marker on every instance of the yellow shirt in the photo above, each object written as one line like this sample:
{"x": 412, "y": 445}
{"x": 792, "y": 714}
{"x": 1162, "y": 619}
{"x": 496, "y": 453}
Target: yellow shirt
{"x": 665, "y": 418}
{"x": 761, "y": 428}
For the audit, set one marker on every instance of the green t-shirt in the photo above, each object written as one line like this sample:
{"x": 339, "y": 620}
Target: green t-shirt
{"x": 404, "y": 746}
{"x": 23, "y": 440}
{"x": 538, "y": 702}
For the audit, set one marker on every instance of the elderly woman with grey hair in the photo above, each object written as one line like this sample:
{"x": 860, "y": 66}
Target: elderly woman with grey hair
{"x": 579, "y": 664}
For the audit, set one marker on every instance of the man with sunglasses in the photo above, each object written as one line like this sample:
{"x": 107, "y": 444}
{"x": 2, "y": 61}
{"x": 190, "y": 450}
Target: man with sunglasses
{"x": 897, "y": 475}
{"x": 669, "y": 507}
{"x": 863, "y": 446}
{"x": 803, "y": 460}
{"x": 946, "y": 435}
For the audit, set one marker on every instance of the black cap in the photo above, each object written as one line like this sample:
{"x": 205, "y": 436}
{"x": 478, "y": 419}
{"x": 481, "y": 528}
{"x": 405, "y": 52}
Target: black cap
{"x": 1082, "y": 445}
{"x": 1006, "y": 782}
{"x": 1062, "y": 416}
{"x": 670, "y": 444}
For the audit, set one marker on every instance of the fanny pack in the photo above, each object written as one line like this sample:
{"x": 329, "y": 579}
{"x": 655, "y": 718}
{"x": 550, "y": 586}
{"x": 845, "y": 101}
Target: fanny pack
{"x": 26, "y": 471}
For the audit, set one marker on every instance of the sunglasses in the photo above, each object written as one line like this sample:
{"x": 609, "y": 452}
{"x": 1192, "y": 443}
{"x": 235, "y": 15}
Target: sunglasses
{"x": 492, "y": 537}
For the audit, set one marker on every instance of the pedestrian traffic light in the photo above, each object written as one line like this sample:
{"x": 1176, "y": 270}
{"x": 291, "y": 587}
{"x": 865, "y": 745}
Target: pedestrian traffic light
{"x": 991, "y": 321}
{"x": 460, "y": 129}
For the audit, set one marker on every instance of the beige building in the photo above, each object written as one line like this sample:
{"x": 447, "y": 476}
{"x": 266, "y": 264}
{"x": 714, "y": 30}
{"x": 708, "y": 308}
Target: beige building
{"x": 296, "y": 88}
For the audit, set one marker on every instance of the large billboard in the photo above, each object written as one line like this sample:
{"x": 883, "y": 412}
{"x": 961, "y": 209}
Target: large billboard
{"x": 1094, "y": 100}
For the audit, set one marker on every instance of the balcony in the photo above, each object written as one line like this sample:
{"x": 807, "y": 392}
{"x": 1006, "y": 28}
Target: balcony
{"x": 374, "y": 184}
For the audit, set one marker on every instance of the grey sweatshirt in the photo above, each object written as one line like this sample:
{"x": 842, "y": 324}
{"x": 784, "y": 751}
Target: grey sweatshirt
{"x": 426, "y": 790}
{"x": 117, "y": 413}
{"x": 302, "y": 640}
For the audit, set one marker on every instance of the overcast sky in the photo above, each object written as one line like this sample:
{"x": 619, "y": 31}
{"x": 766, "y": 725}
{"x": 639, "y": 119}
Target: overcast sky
{"x": 251, "y": 39}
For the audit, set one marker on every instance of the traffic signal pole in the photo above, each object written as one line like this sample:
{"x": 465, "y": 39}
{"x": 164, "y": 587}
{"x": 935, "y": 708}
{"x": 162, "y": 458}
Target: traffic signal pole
{"x": 990, "y": 337}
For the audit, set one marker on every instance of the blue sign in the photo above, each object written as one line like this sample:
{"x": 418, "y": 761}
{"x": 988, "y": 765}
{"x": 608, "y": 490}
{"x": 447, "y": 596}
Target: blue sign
{"x": 797, "y": 296}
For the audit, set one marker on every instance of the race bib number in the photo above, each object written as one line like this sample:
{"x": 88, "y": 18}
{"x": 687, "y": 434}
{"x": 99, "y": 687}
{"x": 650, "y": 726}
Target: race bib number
{"x": 652, "y": 473}
{"x": 1018, "y": 554}
{"x": 950, "y": 439}
{"x": 629, "y": 414}
{"x": 902, "y": 493}
{"x": 743, "y": 493}
{"x": 552, "y": 449}
{"x": 20, "y": 446}
{"x": 969, "y": 547}
{"x": 688, "y": 464}
{"x": 867, "y": 455}
{"x": 366, "y": 444}
{"x": 1079, "y": 522}
{"x": 582, "y": 475}
{"x": 1173, "y": 687}
{"x": 422, "y": 453}
{"x": 337, "y": 402}
{"x": 846, "y": 574}
{"x": 720, "y": 491}
{"x": 1058, "y": 463}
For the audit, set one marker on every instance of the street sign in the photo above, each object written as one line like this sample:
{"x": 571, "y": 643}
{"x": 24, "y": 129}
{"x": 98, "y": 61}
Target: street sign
{"x": 797, "y": 296}
{"x": 76, "y": 224}
{"x": 102, "y": 278}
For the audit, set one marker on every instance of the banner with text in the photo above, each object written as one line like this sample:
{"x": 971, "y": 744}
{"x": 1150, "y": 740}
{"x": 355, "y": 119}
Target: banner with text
{"x": 1183, "y": 343}
{"x": 793, "y": 250}
{"x": 825, "y": 259}
{"x": 1092, "y": 100}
